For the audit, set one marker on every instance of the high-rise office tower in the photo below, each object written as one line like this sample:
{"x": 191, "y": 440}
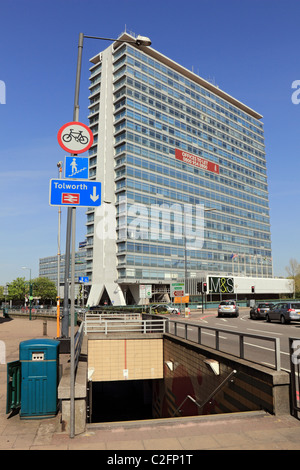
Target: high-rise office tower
{"x": 183, "y": 172}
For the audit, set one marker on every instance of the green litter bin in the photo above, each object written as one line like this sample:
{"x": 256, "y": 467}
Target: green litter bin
{"x": 39, "y": 360}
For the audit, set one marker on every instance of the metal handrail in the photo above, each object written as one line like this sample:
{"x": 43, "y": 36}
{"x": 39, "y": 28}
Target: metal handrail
{"x": 113, "y": 316}
{"x": 78, "y": 343}
{"x": 96, "y": 323}
{"x": 294, "y": 344}
{"x": 242, "y": 336}
{"x": 211, "y": 395}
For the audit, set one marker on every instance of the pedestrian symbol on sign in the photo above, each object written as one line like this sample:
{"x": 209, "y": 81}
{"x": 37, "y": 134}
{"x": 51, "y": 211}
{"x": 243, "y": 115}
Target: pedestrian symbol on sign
{"x": 74, "y": 166}
{"x": 77, "y": 167}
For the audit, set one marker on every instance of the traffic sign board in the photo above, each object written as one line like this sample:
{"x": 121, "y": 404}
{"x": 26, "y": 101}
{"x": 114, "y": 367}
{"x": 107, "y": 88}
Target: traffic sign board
{"x": 182, "y": 300}
{"x": 68, "y": 192}
{"x": 77, "y": 167}
{"x": 145, "y": 291}
{"x": 83, "y": 279}
{"x": 178, "y": 293}
{"x": 75, "y": 137}
{"x": 177, "y": 289}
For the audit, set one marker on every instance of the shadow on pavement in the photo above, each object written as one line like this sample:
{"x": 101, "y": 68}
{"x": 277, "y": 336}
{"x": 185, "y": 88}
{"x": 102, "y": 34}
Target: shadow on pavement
{"x": 6, "y": 319}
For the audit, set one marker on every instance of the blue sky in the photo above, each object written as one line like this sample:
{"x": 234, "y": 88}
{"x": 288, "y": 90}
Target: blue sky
{"x": 249, "y": 48}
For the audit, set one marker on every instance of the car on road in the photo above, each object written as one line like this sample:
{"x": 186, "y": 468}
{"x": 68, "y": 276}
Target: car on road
{"x": 165, "y": 308}
{"x": 228, "y": 307}
{"x": 260, "y": 310}
{"x": 284, "y": 312}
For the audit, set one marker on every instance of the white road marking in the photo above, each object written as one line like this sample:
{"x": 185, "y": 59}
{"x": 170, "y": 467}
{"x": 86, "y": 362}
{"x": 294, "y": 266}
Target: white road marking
{"x": 263, "y": 331}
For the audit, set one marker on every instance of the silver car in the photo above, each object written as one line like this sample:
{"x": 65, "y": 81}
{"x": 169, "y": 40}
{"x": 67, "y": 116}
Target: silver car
{"x": 284, "y": 312}
{"x": 228, "y": 307}
{"x": 260, "y": 310}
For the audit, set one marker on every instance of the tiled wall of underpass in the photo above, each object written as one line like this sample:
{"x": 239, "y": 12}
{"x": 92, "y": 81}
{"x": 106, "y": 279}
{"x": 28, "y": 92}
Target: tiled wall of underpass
{"x": 186, "y": 373}
{"x": 125, "y": 359}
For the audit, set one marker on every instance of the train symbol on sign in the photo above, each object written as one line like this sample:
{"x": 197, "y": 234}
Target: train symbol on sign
{"x": 69, "y": 198}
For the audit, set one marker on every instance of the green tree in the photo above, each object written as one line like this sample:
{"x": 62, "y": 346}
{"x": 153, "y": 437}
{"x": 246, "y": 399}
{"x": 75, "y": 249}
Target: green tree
{"x": 2, "y": 297}
{"x": 17, "y": 289}
{"x": 293, "y": 270}
{"x": 44, "y": 288}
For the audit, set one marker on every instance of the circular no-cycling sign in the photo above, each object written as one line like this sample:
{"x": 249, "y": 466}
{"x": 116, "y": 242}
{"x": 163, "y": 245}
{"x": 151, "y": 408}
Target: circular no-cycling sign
{"x": 75, "y": 137}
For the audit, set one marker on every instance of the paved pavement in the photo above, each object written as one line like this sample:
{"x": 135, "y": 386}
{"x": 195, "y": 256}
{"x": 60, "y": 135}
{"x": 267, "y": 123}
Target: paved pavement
{"x": 178, "y": 436}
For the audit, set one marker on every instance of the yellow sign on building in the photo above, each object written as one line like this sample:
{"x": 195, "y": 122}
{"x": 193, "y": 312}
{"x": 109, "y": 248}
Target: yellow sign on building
{"x": 182, "y": 300}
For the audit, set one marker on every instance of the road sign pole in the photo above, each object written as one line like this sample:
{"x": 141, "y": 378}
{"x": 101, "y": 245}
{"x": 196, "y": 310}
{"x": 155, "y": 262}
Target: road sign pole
{"x": 139, "y": 41}
{"x": 73, "y": 213}
{"x": 65, "y": 318}
{"x": 58, "y": 265}
{"x": 72, "y": 345}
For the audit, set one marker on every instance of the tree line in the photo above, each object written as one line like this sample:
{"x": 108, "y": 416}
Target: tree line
{"x": 293, "y": 270}
{"x": 43, "y": 289}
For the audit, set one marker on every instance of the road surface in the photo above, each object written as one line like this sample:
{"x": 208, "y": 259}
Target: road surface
{"x": 255, "y": 349}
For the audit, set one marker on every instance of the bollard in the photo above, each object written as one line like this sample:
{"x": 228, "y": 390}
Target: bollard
{"x": 44, "y": 328}
{"x": 187, "y": 312}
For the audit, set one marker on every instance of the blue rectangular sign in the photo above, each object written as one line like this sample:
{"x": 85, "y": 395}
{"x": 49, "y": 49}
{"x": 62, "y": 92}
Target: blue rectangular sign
{"x": 81, "y": 193}
{"x": 77, "y": 167}
{"x": 83, "y": 279}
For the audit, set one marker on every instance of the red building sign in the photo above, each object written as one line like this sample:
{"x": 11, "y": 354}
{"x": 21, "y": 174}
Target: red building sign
{"x": 196, "y": 161}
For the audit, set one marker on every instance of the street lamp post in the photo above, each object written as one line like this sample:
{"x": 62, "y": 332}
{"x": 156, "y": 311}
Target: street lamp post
{"x": 139, "y": 41}
{"x": 59, "y": 166}
{"x": 30, "y": 291}
{"x": 185, "y": 248}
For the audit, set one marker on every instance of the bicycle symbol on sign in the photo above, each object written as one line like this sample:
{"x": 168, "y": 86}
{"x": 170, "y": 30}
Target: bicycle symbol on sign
{"x": 77, "y": 136}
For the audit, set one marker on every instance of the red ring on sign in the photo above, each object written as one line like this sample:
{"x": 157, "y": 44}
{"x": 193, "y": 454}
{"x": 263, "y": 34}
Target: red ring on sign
{"x": 75, "y": 152}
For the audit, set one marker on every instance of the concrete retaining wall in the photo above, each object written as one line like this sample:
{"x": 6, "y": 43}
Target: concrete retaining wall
{"x": 186, "y": 372}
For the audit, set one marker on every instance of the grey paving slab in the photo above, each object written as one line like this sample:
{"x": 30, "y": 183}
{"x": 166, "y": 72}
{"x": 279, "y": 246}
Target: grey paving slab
{"x": 224, "y": 432}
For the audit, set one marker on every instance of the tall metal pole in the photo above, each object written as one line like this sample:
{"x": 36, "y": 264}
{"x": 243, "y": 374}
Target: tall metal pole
{"x": 65, "y": 318}
{"x": 58, "y": 264}
{"x": 73, "y": 220}
{"x": 30, "y": 295}
{"x": 139, "y": 41}
{"x": 72, "y": 348}
{"x": 71, "y": 225}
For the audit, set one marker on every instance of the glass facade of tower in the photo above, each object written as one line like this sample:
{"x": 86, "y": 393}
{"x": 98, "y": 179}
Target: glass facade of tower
{"x": 158, "y": 110}
{"x": 48, "y": 266}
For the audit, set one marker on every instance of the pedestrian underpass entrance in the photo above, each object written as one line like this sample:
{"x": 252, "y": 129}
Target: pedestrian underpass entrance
{"x": 121, "y": 372}
{"x": 124, "y": 400}
{"x": 140, "y": 374}
{"x": 157, "y": 376}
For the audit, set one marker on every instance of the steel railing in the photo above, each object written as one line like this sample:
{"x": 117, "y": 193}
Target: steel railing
{"x": 173, "y": 326}
{"x": 109, "y": 323}
{"x": 117, "y": 323}
{"x": 211, "y": 395}
{"x": 294, "y": 347}
{"x": 78, "y": 338}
